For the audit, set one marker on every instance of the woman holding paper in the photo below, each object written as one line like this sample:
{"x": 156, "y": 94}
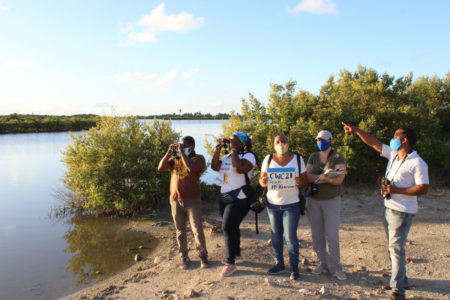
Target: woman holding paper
{"x": 326, "y": 168}
{"x": 283, "y": 173}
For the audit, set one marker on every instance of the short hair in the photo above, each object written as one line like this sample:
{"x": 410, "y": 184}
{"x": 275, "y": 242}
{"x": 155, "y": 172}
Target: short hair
{"x": 410, "y": 135}
{"x": 189, "y": 140}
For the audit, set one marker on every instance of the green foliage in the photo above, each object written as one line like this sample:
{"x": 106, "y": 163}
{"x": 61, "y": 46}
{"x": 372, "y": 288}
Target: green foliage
{"x": 15, "y": 123}
{"x": 188, "y": 116}
{"x": 378, "y": 104}
{"x": 112, "y": 168}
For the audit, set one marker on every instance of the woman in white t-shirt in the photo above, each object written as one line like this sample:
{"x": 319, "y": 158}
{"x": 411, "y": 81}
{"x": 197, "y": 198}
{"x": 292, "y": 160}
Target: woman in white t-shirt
{"x": 283, "y": 177}
{"x": 233, "y": 203}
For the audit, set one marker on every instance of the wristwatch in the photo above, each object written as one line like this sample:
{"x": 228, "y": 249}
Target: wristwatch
{"x": 233, "y": 149}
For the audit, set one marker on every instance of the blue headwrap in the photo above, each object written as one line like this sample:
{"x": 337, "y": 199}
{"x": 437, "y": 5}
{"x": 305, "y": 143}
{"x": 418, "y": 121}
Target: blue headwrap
{"x": 242, "y": 137}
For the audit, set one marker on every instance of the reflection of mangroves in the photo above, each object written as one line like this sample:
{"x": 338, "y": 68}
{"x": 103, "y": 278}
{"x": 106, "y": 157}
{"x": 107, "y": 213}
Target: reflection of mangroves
{"x": 101, "y": 247}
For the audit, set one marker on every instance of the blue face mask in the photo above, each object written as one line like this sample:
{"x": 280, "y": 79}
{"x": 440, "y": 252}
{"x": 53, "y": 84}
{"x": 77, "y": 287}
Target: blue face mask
{"x": 323, "y": 146}
{"x": 395, "y": 144}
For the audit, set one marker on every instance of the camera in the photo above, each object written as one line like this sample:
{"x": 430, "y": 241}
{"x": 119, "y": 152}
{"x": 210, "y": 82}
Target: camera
{"x": 312, "y": 189}
{"x": 173, "y": 151}
{"x": 385, "y": 181}
{"x": 225, "y": 142}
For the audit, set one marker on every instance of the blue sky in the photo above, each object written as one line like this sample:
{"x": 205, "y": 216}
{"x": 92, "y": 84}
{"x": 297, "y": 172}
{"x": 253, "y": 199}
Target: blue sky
{"x": 152, "y": 57}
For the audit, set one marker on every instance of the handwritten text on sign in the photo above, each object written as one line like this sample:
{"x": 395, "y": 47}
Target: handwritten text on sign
{"x": 281, "y": 179}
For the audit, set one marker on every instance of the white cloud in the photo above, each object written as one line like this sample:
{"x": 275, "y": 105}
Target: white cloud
{"x": 4, "y": 7}
{"x": 134, "y": 77}
{"x": 14, "y": 64}
{"x": 320, "y": 7}
{"x": 164, "y": 81}
{"x": 187, "y": 75}
{"x": 148, "y": 26}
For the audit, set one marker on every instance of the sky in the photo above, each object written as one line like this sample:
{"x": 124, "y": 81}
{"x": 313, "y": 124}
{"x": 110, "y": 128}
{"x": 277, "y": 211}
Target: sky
{"x": 139, "y": 57}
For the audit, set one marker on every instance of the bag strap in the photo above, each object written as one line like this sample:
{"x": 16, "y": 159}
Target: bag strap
{"x": 247, "y": 180}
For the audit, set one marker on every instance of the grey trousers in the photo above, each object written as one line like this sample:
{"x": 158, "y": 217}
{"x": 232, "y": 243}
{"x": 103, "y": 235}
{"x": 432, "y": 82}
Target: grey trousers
{"x": 324, "y": 216}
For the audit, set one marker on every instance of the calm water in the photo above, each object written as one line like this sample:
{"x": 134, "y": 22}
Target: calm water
{"x": 42, "y": 257}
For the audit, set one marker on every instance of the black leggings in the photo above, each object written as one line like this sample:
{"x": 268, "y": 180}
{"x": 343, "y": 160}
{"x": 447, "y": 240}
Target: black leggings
{"x": 233, "y": 213}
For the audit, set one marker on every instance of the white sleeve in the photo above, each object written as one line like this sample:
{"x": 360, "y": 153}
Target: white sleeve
{"x": 250, "y": 157}
{"x": 386, "y": 151}
{"x": 421, "y": 173}
{"x": 265, "y": 164}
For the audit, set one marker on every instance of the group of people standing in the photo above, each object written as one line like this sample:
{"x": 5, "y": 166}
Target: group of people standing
{"x": 284, "y": 174}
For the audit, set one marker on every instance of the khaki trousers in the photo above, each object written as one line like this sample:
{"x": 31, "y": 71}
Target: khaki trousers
{"x": 192, "y": 210}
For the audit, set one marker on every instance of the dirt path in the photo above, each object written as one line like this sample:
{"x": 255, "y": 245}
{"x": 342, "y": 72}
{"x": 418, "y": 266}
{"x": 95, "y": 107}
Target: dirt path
{"x": 363, "y": 255}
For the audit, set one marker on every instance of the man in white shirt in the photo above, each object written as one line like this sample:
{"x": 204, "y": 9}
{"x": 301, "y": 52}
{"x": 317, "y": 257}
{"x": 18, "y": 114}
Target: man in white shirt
{"x": 407, "y": 176}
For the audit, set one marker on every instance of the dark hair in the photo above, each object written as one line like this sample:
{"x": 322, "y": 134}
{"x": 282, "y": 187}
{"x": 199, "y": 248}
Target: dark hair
{"x": 410, "y": 135}
{"x": 189, "y": 140}
{"x": 282, "y": 136}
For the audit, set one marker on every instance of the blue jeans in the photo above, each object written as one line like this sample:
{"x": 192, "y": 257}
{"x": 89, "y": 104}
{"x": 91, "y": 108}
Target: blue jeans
{"x": 284, "y": 221}
{"x": 397, "y": 225}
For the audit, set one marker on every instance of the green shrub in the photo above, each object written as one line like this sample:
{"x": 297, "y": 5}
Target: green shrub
{"x": 112, "y": 168}
{"x": 378, "y": 104}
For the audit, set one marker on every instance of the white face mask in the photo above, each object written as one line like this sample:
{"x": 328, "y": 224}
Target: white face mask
{"x": 186, "y": 151}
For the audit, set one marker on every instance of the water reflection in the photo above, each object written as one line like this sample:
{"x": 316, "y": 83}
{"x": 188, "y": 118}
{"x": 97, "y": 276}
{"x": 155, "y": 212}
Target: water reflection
{"x": 102, "y": 246}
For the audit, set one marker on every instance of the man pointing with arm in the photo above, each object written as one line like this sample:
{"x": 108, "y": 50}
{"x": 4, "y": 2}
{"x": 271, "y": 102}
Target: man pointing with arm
{"x": 406, "y": 178}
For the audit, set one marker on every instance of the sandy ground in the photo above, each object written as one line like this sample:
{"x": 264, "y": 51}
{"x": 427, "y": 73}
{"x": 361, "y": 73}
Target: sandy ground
{"x": 363, "y": 255}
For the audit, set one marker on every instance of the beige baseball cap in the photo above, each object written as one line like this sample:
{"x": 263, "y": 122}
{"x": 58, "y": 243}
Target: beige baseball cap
{"x": 324, "y": 134}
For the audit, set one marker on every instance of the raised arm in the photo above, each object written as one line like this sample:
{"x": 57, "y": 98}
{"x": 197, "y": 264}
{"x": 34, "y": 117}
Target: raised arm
{"x": 365, "y": 137}
{"x": 240, "y": 165}
{"x": 164, "y": 164}
{"x": 197, "y": 164}
{"x": 216, "y": 162}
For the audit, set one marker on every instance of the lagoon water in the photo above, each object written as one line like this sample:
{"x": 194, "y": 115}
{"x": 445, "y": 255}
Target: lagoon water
{"x": 43, "y": 257}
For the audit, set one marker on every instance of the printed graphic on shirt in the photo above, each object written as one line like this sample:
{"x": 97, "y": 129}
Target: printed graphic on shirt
{"x": 225, "y": 168}
{"x": 281, "y": 179}
{"x": 180, "y": 169}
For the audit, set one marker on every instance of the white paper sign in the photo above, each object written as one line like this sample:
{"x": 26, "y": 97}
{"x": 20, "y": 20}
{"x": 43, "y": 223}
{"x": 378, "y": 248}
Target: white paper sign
{"x": 281, "y": 179}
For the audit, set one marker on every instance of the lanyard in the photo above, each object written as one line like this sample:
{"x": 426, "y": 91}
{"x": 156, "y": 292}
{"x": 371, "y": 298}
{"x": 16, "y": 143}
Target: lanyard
{"x": 390, "y": 167}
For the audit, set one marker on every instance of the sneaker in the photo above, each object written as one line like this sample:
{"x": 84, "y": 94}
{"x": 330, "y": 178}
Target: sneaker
{"x": 184, "y": 263}
{"x": 228, "y": 270}
{"x": 277, "y": 269}
{"x": 340, "y": 275}
{"x": 237, "y": 260}
{"x": 319, "y": 269}
{"x": 294, "y": 276}
{"x": 204, "y": 263}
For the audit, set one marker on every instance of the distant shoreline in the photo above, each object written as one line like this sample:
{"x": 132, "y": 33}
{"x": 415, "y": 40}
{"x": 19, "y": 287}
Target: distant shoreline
{"x": 18, "y": 123}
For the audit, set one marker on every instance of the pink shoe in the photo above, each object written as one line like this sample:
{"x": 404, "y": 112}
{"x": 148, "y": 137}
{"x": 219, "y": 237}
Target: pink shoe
{"x": 228, "y": 270}
{"x": 237, "y": 260}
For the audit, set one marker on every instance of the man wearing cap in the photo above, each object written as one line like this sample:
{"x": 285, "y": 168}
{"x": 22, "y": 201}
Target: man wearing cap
{"x": 408, "y": 177}
{"x": 326, "y": 170}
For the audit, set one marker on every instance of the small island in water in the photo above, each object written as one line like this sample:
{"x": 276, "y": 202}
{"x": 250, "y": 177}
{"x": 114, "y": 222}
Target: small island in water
{"x": 26, "y": 123}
